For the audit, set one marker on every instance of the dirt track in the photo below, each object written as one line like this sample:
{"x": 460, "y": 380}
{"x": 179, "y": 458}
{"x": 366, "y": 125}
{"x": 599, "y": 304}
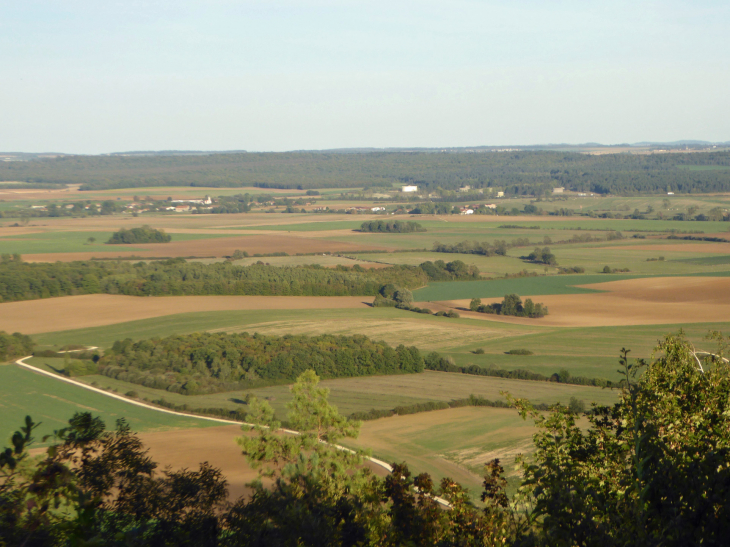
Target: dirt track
{"x": 93, "y": 310}
{"x": 648, "y": 301}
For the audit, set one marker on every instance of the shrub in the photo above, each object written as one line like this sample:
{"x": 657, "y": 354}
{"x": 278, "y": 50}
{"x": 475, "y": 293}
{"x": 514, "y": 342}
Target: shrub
{"x": 519, "y": 352}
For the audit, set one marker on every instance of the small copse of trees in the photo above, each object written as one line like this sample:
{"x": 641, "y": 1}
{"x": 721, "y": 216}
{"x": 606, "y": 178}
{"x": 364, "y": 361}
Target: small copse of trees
{"x": 394, "y": 227}
{"x": 543, "y": 256}
{"x": 511, "y": 305}
{"x": 145, "y": 234}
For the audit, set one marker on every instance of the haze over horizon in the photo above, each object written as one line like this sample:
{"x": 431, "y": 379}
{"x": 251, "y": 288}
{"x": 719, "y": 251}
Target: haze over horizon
{"x": 87, "y": 78}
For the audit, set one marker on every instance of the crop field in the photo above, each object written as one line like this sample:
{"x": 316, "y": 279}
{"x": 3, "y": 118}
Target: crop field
{"x": 453, "y": 443}
{"x": 92, "y": 310}
{"x": 592, "y": 316}
{"x": 51, "y": 403}
{"x": 524, "y": 286}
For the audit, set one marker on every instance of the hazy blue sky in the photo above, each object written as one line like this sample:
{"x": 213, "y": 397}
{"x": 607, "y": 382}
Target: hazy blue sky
{"x": 90, "y": 76}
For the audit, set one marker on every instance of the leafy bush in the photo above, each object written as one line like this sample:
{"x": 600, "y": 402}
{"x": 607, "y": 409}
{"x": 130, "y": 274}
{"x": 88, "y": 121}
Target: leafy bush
{"x": 519, "y": 352}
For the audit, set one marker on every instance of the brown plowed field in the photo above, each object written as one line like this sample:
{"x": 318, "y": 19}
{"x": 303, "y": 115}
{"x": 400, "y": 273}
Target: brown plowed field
{"x": 94, "y": 310}
{"x": 188, "y": 448}
{"x": 649, "y": 301}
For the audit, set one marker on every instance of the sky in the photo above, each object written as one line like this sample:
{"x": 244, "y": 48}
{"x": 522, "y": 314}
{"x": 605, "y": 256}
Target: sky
{"x": 90, "y": 76}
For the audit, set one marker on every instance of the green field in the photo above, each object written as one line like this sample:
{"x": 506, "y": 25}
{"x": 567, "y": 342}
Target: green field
{"x": 75, "y": 242}
{"x": 52, "y": 402}
{"x": 524, "y": 286}
{"x": 453, "y": 443}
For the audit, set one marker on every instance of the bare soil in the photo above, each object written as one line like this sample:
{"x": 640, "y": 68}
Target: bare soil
{"x": 93, "y": 310}
{"x": 648, "y": 301}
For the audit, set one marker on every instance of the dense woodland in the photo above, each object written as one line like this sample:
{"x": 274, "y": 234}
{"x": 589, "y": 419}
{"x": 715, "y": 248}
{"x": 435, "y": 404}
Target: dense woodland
{"x": 205, "y": 363}
{"x": 26, "y": 281}
{"x": 649, "y": 471}
{"x": 518, "y": 173}
{"x": 145, "y": 234}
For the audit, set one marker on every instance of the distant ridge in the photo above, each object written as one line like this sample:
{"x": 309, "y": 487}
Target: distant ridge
{"x": 695, "y": 144}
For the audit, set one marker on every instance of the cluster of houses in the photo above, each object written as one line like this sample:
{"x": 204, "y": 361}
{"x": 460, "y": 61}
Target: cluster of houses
{"x": 469, "y": 209}
{"x": 366, "y": 209}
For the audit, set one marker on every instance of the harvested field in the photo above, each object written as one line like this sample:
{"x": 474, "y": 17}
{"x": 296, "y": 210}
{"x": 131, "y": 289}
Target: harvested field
{"x": 645, "y": 301}
{"x": 188, "y": 448}
{"x": 92, "y": 310}
{"x": 218, "y": 247}
{"x": 425, "y": 333}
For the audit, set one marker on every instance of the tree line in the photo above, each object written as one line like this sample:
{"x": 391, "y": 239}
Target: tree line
{"x": 651, "y": 470}
{"x": 396, "y": 227}
{"x": 205, "y": 362}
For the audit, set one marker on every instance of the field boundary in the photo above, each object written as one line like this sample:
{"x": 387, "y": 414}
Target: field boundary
{"x": 21, "y": 362}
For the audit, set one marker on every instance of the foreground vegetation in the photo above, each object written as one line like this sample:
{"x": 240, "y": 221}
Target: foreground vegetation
{"x": 651, "y": 470}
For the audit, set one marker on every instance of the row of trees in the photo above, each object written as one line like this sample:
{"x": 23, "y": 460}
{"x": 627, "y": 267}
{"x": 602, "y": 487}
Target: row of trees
{"x": 207, "y": 362}
{"x": 510, "y": 305}
{"x": 651, "y": 470}
{"x": 145, "y": 234}
{"x": 484, "y": 248}
{"x": 396, "y": 227}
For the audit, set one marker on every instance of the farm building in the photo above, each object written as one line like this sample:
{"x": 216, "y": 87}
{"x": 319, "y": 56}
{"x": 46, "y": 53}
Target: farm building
{"x": 409, "y": 189}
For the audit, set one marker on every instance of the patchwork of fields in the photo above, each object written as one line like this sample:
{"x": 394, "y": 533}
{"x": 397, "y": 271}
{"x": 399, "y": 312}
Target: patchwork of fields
{"x": 671, "y": 285}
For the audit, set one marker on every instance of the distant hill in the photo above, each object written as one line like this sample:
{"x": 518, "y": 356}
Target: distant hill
{"x": 516, "y": 171}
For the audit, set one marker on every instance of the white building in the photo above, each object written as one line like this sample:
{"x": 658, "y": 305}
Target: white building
{"x": 558, "y": 190}
{"x": 377, "y": 209}
{"x": 405, "y": 189}
{"x": 500, "y": 194}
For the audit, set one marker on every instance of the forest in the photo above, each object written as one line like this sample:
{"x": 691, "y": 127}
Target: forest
{"x": 517, "y": 173}
{"x": 206, "y": 362}
{"x": 27, "y": 281}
